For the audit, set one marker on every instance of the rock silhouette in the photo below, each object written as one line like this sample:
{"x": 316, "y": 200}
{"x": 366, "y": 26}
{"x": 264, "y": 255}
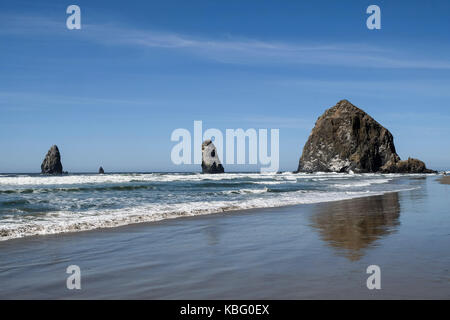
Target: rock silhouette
{"x": 52, "y": 162}
{"x": 345, "y": 138}
{"x": 210, "y": 158}
{"x": 101, "y": 171}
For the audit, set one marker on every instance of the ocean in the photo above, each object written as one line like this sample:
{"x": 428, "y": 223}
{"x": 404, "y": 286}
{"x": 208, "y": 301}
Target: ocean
{"x": 32, "y": 204}
{"x": 304, "y": 236}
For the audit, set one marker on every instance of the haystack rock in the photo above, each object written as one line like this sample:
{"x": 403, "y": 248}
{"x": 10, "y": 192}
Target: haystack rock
{"x": 346, "y": 139}
{"x": 210, "y": 159}
{"x": 52, "y": 162}
{"x": 101, "y": 171}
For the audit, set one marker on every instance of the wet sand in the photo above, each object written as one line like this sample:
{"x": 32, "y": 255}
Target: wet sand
{"x": 318, "y": 251}
{"x": 445, "y": 180}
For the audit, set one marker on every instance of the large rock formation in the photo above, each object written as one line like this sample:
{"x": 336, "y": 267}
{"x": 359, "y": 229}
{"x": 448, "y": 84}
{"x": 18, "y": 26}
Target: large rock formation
{"x": 346, "y": 138}
{"x": 101, "y": 170}
{"x": 210, "y": 159}
{"x": 406, "y": 166}
{"x": 52, "y": 162}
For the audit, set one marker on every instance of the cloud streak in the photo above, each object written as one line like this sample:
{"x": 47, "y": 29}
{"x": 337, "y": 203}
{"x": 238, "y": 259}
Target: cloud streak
{"x": 254, "y": 51}
{"x": 227, "y": 49}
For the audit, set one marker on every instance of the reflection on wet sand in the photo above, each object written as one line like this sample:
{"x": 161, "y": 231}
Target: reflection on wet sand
{"x": 444, "y": 180}
{"x": 352, "y": 226}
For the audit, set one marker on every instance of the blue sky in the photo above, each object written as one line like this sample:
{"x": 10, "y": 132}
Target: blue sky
{"x": 111, "y": 93}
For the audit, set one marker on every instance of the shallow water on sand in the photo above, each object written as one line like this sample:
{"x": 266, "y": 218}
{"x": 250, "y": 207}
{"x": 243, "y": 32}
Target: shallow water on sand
{"x": 304, "y": 251}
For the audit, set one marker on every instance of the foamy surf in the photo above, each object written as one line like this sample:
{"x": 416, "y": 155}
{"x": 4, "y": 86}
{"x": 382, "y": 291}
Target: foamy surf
{"x": 39, "y": 205}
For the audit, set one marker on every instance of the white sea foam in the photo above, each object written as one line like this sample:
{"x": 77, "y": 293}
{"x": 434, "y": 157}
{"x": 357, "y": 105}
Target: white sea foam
{"x": 274, "y": 182}
{"x": 362, "y": 183}
{"x": 124, "y": 178}
{"x": 153, "y": 177}
{"x": 246, "y": 191}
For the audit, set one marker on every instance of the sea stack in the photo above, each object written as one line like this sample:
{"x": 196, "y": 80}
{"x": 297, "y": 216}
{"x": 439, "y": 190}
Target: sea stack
{"x": 101, "y": 171}
{"x": 210, "y": 158}
{"x": 52, "y": 162}
{"x": 346, "y": 139}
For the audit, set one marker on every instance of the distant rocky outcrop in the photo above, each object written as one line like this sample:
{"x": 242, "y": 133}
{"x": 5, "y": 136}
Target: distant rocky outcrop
{"x": 210, "y": 159}
{"x": 345, "y": 139}
{"x": 52, "y": 162}
{"x": 101, "y": 171}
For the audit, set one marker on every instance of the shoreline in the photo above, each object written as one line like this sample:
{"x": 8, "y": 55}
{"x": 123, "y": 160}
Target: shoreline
{"x": 222, "y": 214}
{"x": 148, "y": 213}
{"x": 199, "y": 215}
{"x": 320, "y": 250}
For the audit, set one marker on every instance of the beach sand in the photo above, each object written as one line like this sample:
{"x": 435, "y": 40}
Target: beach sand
{"x": 317, "y": 251}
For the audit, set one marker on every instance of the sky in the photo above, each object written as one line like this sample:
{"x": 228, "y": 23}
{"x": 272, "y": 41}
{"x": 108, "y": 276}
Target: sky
{"x": 112, "y": 93}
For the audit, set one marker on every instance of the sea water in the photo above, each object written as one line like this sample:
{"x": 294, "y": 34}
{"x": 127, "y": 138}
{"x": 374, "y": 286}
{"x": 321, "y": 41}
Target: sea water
{"x": 32, "y": 204}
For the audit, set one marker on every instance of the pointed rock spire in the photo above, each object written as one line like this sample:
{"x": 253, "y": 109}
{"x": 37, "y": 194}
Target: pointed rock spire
{"x": 52, "y": 162}
{"x": 210, "y": 158}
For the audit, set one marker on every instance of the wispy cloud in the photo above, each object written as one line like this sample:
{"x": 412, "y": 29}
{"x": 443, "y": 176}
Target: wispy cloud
{"x": 367, "y": 87}
{"x": 233, "y": 50}
{"x": 239, "y": 50}
{"x": 280, "y": 122}
{"x": 9, "y": 100}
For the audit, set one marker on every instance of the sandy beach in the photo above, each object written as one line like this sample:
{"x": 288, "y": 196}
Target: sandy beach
{"x": 313, "y": 251}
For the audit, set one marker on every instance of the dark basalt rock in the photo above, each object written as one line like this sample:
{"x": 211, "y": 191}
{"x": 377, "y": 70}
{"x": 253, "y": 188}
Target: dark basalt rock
{"x": 210, "y": 159}
{"x": 52, "y": 162}
{"x": 407, "y": 166}
{"x": 101, "y": 171}
{"x": 345, "y": 139}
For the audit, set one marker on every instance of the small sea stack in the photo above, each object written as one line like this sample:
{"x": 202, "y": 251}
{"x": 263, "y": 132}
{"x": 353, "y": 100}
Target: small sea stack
{"x": 407, "y": 166}
{"x": 101, "y": 171}
{"x": 210, "y": 159}
{"x": 347, "y": 139}
{"x": 52, "y": 162}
